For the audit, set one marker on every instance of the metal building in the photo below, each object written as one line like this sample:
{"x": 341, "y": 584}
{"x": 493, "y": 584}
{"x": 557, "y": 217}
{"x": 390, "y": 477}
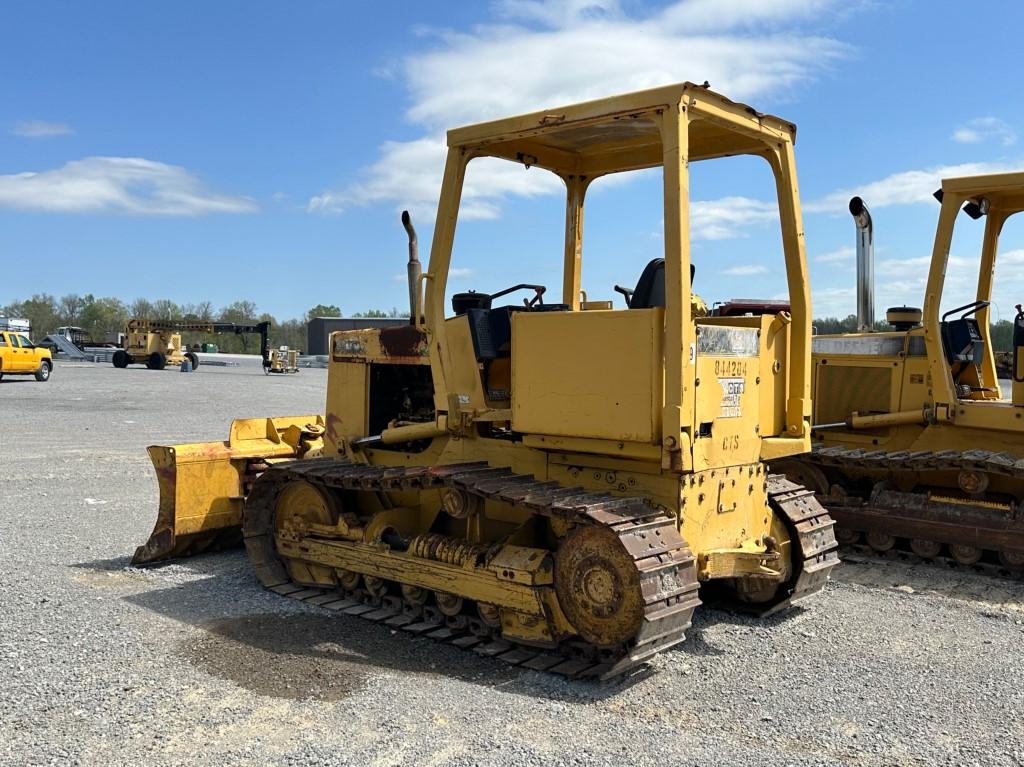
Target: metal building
{"x": 319, "y": 329}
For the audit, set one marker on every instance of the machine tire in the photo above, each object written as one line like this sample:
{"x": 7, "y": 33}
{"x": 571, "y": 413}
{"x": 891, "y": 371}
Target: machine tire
{"x": 194, "y": 359}
{"x": 45, "y": 368}
{"x": 120, "y": 359}
{"x": 1, "y": 376}
{"x": 156, "y": 361}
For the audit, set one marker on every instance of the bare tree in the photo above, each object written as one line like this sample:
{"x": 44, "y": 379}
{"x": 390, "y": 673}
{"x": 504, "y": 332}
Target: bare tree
{"x": 142, "y": 308}
{"x": 165, "y": 309}
{"x": 70, "y": 308}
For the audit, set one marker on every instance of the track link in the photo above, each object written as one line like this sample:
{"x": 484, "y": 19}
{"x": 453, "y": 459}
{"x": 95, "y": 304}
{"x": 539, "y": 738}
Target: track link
{"x": 999, "y": 537}
{"x": 665, "y": 565}
{"x": 813, "y": 534}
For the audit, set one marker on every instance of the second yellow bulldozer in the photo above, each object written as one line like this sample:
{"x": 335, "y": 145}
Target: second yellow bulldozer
{"x": 551, "y": 483}
{"x": 916, "y": 447}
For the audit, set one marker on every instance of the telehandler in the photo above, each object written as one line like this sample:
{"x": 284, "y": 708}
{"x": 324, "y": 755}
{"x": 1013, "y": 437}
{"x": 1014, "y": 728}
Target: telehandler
{"x": 157, "y": 343}
{"x": 550, "y": 483}
{"x": 282, "y": 360}
{"x": 914, "y": 445}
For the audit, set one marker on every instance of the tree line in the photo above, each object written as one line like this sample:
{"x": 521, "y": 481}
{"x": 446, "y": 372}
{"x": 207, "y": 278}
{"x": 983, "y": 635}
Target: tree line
{"x": 103, "y": 318}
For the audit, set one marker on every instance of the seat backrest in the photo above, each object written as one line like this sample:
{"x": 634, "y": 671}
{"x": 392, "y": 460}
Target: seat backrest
{"x": 650, "y": 288}
{"x": 962, "y": 341}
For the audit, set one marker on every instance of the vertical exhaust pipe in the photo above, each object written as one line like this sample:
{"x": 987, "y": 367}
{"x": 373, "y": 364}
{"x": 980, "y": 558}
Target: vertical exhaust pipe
{"x": 865, "y": 264}
{"x": 414, "y": 264}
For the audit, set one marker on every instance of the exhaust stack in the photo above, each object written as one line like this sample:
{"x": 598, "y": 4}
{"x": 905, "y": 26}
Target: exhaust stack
{"x": 414, "y": 264}
{"x": 865, "y": 265}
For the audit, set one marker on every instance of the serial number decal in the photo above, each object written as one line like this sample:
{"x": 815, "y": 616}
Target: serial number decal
{"x": 732, "y": 391}
{"x": 731, "y": 368}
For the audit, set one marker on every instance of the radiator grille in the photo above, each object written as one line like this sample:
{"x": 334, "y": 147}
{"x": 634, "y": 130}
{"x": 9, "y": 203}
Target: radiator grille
{"x": 840, "y": 390}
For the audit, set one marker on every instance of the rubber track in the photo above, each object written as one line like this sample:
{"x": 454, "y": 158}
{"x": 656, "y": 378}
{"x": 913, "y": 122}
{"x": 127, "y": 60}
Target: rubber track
{"x": 814, "y": 536}
{"x": 1002, "y": 464}
{"x": 665, "y": 564}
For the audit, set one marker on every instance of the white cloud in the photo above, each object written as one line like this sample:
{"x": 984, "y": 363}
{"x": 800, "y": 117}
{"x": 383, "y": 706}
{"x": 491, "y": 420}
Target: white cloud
{"x": 551, "y": 52}
{"x": 40, "y": 129}
{"x": 745, "y": 270}
{"x": 117, "y": 185}
{"x": 409, "y": 173}
{"x": 844, "y": 255}
{"x": 725, "y": 218}
{"x": 983, "y": 129}
{"x": 717, "y": 15}
{"x": 904, "y": 188}
{"x": 833, "y": 302}
{"x": 901, "y": 282}
{"x": 559, "y": 14}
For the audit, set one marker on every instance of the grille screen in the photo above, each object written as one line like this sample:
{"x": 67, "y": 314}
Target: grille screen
{"x": 840, "y": 390}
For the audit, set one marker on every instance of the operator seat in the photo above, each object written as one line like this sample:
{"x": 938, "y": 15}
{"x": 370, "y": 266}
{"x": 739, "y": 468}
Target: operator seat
{"x": 650, "y": 288}
{"x": 962, "y": 341}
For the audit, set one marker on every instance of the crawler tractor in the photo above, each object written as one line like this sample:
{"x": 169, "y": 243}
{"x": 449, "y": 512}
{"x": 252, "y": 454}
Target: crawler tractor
{"x": 551, "y": 483}
{"x": 914, "y": 445}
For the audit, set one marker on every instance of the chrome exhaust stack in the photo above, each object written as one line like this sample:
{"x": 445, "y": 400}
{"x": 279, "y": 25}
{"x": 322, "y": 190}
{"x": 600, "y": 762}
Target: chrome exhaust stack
{"x": 865, "y": 265}
{"x": 413, "y": 268}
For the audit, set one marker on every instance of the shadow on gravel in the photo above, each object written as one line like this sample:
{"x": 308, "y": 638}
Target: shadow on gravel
{"x": 275, "y": 647}
{"x": 106, "y": 565}
{"x": 708, "y": 615}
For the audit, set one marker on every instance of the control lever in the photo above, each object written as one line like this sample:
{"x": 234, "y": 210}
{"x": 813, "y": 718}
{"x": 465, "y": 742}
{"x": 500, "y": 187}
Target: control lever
{"x": 539, "y": 291}
{"x": 626, "y": 293}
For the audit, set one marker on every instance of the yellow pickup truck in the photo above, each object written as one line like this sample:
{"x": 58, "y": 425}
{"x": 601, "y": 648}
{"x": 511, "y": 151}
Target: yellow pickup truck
{"x": 19, "y": 356}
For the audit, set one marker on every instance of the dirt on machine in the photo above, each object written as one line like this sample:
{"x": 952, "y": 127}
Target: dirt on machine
{"x": 548, "y": 480}
{"x": 916, "y": 446}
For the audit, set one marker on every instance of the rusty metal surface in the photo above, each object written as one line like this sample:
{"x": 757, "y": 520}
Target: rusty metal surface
{"x": 993, "y": 524}
{"x": 664, "y": 575}
{"x": 403, "y": 341}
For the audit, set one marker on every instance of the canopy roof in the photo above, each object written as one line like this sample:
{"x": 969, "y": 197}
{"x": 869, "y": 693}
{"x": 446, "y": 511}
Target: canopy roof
{"x": 623, "y": 132}
{"x": 1003, "y": 190}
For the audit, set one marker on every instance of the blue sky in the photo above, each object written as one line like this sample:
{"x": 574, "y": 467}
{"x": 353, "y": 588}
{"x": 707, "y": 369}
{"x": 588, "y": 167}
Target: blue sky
{"x": 263, "y": 150}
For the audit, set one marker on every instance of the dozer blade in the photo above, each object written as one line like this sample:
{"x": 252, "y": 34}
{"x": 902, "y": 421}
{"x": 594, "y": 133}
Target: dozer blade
{"x": 203, "y": 485}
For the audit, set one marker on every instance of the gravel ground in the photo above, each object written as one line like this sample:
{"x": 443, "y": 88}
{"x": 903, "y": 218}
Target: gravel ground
{"x": 192, "y": 663}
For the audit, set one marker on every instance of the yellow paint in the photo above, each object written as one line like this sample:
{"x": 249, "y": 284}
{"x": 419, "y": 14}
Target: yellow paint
{"x": 566, "y": 389}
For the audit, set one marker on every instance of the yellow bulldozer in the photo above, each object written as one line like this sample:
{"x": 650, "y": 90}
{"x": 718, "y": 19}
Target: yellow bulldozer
{"x": 548, "y": 483}
{"x": 915, "y": 446}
